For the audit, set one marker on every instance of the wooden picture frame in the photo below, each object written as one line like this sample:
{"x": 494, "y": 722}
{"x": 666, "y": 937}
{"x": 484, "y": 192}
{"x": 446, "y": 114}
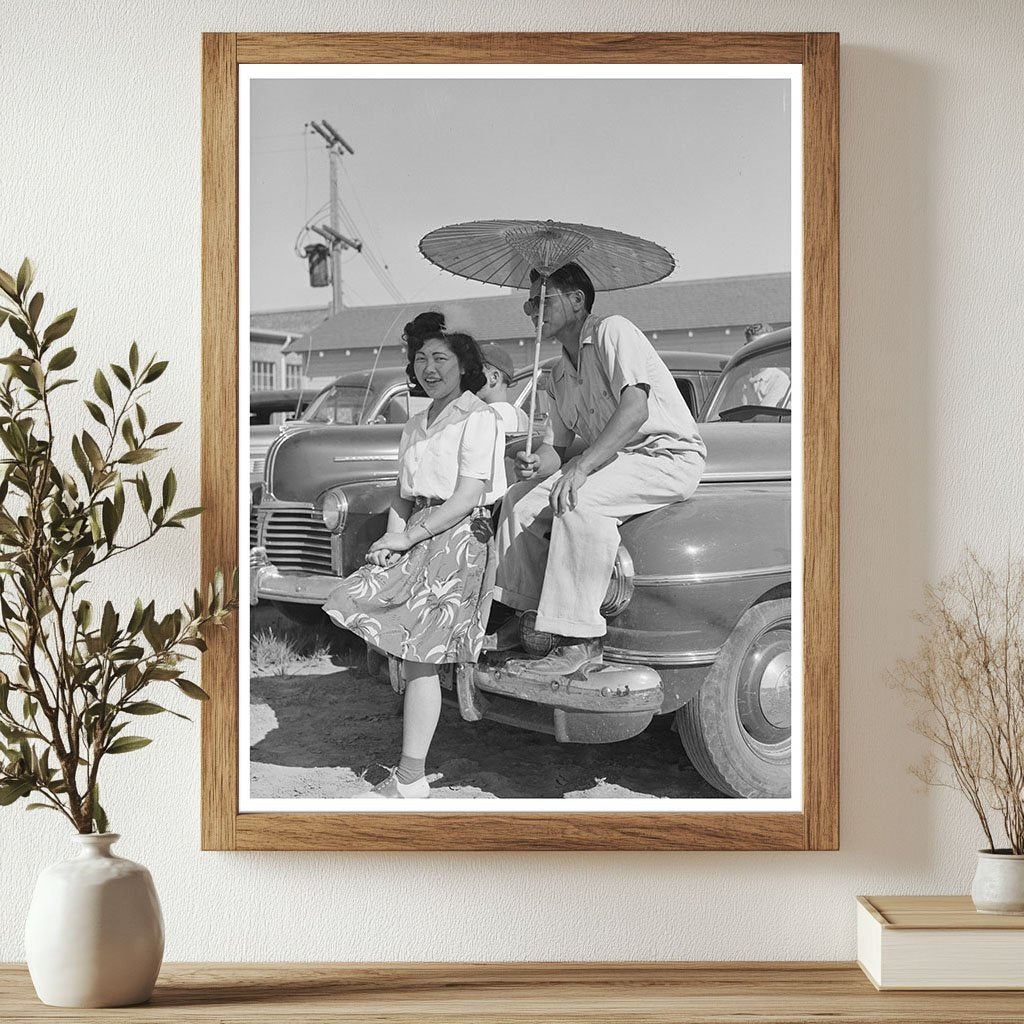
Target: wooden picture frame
{"x": 816, "y": 826}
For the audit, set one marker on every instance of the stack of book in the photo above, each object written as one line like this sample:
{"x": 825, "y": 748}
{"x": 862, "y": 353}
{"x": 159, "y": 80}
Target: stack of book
{"x": 938, "y": 942}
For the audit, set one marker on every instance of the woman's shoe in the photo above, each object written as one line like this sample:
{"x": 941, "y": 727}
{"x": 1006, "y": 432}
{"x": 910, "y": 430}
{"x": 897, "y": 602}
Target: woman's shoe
{"x": 392, "y": 789}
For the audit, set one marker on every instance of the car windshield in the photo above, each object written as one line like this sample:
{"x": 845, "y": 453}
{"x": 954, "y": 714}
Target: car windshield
{"x": 340, "y": 403}
{"x": 759, "y": 388}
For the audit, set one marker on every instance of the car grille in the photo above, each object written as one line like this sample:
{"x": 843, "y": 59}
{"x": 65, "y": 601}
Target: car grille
{"x": 296, "y": 540}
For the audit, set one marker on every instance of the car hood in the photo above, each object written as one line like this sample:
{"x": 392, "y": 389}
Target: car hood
{"x": 740, "y": 452}
{"x": 303, "y": 463}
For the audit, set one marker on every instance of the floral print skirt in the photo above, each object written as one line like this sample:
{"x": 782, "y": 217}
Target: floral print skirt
{"x": 431, "y": 605}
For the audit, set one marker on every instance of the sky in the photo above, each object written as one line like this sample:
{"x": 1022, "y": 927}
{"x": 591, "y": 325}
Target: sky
{"x": 701, "y": 166}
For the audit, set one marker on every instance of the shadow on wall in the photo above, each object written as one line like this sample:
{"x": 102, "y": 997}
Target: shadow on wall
{"x": 888, "y": 394}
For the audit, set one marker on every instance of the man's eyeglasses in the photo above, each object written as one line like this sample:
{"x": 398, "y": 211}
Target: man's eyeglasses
{"x": 532, "y": 304}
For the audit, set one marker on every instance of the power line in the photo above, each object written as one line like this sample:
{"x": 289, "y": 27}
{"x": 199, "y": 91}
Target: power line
{"x": 305, "y": 175}
{"x": 376, "y": 264}
{"x": 370, "y": 223}
{"x": 340, "y": 216}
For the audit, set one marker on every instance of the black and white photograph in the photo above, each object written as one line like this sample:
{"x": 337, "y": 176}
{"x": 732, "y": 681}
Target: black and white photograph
{"x": 520, "y": 375}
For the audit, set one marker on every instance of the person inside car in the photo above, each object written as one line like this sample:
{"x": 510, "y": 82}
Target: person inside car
{"x": 425, "y": 590}
{"x": 771, "y": 387}
{"x": 754, "y": 331}
{"x": 500, "y": 372}
{"x": 558, "y": 532}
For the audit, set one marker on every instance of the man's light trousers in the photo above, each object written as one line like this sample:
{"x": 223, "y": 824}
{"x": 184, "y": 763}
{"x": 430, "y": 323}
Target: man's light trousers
{"x": 560, "y": 566}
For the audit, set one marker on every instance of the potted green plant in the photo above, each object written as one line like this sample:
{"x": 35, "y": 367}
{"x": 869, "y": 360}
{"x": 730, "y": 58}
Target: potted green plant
{"x": 966, "y": 681}
{"x": 82, "y": 671}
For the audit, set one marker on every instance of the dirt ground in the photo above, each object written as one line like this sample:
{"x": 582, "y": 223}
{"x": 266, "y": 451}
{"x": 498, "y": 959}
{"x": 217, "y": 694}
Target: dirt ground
{"x": 322, "y": 728}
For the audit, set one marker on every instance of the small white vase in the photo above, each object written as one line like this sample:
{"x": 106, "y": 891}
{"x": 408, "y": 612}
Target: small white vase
{"x": 999, "y": 883}
{"x": 95, "y": 934}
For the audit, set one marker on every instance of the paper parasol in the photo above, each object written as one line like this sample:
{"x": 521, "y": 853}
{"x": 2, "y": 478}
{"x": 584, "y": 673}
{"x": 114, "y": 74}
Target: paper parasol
{"x": 503, "y": 252}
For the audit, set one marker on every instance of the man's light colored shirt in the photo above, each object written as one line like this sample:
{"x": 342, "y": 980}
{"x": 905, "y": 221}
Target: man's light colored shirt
{"x": 614, "y": 354}
{"x": 465, "y": 439}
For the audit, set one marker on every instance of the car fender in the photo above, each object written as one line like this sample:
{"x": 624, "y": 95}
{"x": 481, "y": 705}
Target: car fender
{"x": 366, "y": 515}
{"x": 698, "y": 566}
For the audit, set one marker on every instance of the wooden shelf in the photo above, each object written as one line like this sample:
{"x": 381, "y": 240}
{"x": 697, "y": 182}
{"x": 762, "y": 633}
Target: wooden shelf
{"x": 665, "y": 993}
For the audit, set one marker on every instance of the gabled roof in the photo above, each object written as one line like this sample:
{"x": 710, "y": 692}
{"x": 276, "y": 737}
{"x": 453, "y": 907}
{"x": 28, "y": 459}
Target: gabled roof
{"x": 299, "y": 320}
{"x": 687, "y": 305}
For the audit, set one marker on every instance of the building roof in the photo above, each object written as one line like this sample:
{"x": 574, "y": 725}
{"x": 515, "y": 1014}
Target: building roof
{"x": 688, "y": 305}
{"x": 297, "y": 321}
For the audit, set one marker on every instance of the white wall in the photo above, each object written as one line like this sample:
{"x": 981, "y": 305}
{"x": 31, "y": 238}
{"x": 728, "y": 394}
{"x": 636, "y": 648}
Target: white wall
{"x": 100, "y": 182}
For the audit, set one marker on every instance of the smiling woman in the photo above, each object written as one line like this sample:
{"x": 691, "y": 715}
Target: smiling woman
{"x": 424, "y": 594}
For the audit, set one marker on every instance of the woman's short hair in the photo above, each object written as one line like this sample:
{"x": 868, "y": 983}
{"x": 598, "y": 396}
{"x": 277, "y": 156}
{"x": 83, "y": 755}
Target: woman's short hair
{"x": 429, "y": 326}
{"x": 570, "y": 278}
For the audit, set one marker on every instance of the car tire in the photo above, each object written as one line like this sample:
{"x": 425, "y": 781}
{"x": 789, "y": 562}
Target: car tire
{"x": 737, "y": 729}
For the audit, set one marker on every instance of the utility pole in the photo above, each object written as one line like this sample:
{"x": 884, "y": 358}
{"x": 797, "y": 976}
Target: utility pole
{"x": 336, "y": 148}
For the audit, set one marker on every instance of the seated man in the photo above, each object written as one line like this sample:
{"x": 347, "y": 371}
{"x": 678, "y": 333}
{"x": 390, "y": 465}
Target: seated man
{"x": 558, "y": 534}
{"x": 500, "y": 372}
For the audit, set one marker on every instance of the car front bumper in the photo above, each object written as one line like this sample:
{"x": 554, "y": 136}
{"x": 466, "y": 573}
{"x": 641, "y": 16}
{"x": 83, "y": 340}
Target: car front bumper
{"x": 268, "y": 583}
{"x": 605, "y": 688}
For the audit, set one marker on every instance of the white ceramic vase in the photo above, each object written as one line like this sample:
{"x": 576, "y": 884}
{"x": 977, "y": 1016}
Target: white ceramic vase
{"x": 999, "y": 883}
{"x": 95, "y": 934}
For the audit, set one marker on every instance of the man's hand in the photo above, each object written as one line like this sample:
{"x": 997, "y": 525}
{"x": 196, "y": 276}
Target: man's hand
{"x": 527, "y": 465}
{"x": 565, "y": 492}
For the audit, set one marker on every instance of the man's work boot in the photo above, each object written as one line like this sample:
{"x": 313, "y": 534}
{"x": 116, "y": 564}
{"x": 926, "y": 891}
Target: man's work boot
{"x": 575, "y": 655}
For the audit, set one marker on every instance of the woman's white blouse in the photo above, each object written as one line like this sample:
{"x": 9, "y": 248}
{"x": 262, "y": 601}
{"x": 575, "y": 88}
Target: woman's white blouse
{"x": 466, "y": 440}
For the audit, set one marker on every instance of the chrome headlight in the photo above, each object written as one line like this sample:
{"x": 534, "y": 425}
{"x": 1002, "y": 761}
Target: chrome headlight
{"x": 334, "y": 509}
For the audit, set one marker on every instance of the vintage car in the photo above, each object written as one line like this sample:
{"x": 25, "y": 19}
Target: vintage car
{"x": 698, "y": 606}
{"x": 269, "y": 413}
{"x": 381, "y": 397}
{"x": 378, "y": 396}
{"x": 362, "y": 397}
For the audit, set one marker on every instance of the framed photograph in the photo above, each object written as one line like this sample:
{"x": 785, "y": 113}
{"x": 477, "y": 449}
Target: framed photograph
{"x": 370, "y": 196}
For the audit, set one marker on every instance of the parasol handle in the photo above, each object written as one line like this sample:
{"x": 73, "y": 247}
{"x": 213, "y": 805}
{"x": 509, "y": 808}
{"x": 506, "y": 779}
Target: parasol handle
{"x": 536, "y": 365}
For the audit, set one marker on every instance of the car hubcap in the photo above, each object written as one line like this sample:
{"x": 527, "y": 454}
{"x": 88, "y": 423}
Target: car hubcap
{"x": 775, "y": 690}
{"x": 765, "y": 685}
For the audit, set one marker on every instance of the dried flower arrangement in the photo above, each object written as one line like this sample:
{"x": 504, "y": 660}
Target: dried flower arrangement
{"x": 967, "y": 682}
